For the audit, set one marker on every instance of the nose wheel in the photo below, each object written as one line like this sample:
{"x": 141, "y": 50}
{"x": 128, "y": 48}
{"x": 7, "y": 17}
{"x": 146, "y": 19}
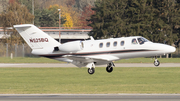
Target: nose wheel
{"x": 156, "y": 62}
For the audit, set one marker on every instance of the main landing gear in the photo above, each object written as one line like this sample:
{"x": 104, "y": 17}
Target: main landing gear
{"x": 109, "y": 67}
{"x": 91, "y": 70}
{"x": 91, "y": 67}
{"x": 156, "y": 62}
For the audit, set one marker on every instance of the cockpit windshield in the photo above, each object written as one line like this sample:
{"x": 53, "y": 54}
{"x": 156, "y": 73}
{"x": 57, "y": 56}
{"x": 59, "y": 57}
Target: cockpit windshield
{"x": 142, "y": 40}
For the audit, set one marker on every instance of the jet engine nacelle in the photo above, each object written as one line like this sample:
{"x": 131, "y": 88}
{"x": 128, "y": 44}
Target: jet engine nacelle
{"x": 71, "y": 46}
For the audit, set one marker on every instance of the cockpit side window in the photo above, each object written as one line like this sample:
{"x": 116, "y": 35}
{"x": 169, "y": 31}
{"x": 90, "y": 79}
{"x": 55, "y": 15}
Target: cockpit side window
{"x": 145, "y": 40}
{"x": 142, "y": 40}
{"x": 134, "y": 41}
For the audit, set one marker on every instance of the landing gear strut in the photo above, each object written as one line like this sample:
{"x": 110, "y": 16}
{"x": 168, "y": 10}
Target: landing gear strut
{"x": 109, "y": 67}
{"x": 91, "y": 68}
{"x": 156, "y": 62}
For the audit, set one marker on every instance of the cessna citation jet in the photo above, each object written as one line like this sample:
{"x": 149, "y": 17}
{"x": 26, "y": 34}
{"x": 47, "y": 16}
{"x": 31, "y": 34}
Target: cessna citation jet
{"x": 92, "y": 52}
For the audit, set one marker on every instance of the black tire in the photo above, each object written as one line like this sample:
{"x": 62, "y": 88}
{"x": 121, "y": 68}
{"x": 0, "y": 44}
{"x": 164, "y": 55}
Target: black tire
{"x": 91, "y": 70}
{"x": 109, "y": 69}
{"x": 156, "y": 63}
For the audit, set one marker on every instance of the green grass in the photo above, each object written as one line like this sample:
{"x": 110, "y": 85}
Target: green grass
{"x": 149, "y": 60}
{"x": 78, "y": 81}
{"x": 46, "y": 60}
{"x": 27, "y": 60}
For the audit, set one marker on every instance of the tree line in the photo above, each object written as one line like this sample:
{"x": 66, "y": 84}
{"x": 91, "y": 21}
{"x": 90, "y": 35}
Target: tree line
{"x": 20, "y": 12}
{"x": 156, "y": 20}
{"x": 46, "y": 12}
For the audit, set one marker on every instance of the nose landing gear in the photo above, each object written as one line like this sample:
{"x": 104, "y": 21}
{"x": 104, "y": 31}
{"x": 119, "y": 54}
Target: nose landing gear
{"x": 156, "y": 62}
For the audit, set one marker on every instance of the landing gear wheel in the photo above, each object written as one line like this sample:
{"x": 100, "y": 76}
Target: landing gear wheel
{"x": 91, "y": 70}
{"x": 109, "y": 69}
{"x": 156, "y": 63}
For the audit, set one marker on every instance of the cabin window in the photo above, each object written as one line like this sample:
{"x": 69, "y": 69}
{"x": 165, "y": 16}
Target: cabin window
{"x": 101, "y": 45}
{"x": 134, "y": 41}
{"x": 122, "y": 43}
{"x": 115, "y": 43}
{"x": 108, "y": 44}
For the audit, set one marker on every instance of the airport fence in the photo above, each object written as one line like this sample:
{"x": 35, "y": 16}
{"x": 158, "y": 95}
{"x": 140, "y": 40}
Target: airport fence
{"x": 23, "y": 50}
{"x": 15, "y": 50}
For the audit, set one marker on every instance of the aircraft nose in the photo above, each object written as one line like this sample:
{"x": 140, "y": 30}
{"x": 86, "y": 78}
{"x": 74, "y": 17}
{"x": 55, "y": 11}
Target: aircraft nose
{"x": 166, "y": 49}
{"x": 170, "y": 49}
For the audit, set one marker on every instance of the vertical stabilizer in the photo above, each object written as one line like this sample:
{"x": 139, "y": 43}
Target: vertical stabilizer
{"x": 35, "y": 38}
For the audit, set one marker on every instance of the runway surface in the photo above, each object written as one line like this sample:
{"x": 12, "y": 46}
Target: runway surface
{"x": 92, "y": 97}
{"x": 71, "y": 65}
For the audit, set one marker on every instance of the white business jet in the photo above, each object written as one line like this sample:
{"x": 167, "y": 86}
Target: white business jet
{"x": 91, "y": 52}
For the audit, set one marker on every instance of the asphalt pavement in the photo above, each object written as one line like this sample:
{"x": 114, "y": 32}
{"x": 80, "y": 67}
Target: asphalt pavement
{"x": 91, "y": 97}
{"x": 71, "y": 65}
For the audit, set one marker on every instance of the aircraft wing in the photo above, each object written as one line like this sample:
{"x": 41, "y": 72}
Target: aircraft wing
{"x": 83, "y": 61}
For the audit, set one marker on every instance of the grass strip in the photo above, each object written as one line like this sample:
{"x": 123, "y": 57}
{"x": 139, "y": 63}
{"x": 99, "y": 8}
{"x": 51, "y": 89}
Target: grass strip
{"x": 27, "y": 60}
{"x": 46, "y": 60}
{"x": 78, "y": 81}
{"x": 149, "y": 60}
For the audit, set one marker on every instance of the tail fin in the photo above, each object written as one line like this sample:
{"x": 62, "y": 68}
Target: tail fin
{"x": 35, "y": 37}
